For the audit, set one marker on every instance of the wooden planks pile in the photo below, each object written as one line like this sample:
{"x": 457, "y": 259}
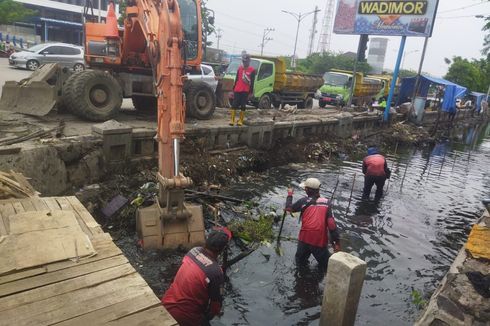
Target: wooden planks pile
{"x": 97, "y": 290}
{"x": 15, "y": 185}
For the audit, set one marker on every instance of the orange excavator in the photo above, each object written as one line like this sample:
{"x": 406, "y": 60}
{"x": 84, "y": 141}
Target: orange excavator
{"x": 124, "y": 63}
{"x": 163, "y": 39}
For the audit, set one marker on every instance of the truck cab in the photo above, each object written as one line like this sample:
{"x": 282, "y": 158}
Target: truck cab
{"x": 335, "y": 90}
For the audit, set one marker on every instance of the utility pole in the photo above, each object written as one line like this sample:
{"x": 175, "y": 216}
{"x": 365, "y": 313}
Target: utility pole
{"x": 313, "y": 31}
{"x": 265, "y": 39}
{"x": 219, "y": 35}
{"x": 299, "y": 17}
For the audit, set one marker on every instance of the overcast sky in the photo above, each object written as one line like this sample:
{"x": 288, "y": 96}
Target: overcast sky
{"x": 456, "y": 31}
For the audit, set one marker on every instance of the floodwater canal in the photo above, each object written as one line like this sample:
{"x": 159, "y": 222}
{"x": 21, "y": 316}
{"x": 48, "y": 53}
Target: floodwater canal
{"x": 409, "y": 239}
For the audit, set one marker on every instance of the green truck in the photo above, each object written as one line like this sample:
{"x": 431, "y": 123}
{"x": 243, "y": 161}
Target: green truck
{"x": 336, "y": 90}
{"x": 274, "y": 85}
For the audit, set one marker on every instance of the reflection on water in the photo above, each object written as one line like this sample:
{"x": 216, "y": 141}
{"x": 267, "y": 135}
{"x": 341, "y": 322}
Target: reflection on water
{"x": 408, "y": 240}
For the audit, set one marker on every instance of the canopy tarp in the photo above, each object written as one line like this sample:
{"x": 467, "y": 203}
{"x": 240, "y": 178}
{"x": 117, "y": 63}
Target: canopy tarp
{"x": 479, "y": 97}
{"x": 451, "y": 93}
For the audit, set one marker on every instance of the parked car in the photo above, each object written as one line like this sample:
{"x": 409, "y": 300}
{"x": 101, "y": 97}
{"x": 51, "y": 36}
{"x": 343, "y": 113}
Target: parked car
{"x": 67, "y": 55}
{"x": 207, "y": 75}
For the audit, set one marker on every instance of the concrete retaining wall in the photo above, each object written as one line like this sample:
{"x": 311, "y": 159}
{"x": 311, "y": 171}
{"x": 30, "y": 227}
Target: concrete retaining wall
{"x": 68, "y": 164}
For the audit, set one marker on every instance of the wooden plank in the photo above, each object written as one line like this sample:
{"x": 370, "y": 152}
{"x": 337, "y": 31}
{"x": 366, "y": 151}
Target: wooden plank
{"x": 84, "y": 215}
{"x": 28, "y": 206}
{"x": 18, "y": 207}
{"x": 76, "y": 303}
{"x": 103, "y": 245}
{"x": 60, "y": 275}
{"x": 65, "y": 206}
{"x": 51, "y": 203}
{"x": 55, "y": 289}
{"x": 38, "y": 204}
{"x": 6, "y": 210}
{"x": 157, "y": 316}
{"x": 116, "y": 311}
{"x": 22, "y": 274}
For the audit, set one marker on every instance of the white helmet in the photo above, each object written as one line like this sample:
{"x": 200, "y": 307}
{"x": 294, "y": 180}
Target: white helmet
{"x": 312, "y": 183}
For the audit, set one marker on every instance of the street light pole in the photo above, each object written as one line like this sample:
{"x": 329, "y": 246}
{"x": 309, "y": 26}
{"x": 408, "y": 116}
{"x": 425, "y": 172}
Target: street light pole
{"x": 299, "y": 17}
{"x": 405, "y": 56}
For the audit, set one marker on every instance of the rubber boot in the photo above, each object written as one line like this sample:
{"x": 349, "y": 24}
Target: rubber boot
{"x": 233, "y": 114}
{"x": 242, "y": 117}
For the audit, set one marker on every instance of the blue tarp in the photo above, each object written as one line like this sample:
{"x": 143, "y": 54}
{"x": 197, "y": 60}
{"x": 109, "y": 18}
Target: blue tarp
{"x": 478, "y": 99}
{"x": 451, "y": 93}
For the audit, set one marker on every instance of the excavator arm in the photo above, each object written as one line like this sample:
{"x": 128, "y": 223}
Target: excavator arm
{"x": 169, "y": 222}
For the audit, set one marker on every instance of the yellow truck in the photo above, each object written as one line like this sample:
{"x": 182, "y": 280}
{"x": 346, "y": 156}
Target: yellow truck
{"x": 336, "y": 89}
{"x": 274, "y": 85}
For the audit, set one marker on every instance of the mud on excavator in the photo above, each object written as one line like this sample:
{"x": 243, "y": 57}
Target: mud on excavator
{"x": 121, "y": 66}
{"x": 161, "y": 40}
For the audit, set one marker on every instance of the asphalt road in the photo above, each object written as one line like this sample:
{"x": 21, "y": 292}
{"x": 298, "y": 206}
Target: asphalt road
{"x": 8, "y": 73}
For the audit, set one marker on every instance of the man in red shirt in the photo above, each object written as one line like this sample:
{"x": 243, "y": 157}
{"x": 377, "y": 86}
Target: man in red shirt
{"x": 317, "y": 221}
{"x": 195, "y": 296}
{"x": 375, "y": 171}
{"x": 243, "y": 89}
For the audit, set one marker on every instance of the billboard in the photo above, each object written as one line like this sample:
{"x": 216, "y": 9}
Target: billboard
{"x": 382, "y": 17}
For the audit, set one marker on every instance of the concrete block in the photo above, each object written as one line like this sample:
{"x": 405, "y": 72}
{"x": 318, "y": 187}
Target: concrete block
{"x": 345, "y": 125}
{"x": 259, "y": 135}
{"x": 345, "y": 277}
{"x": 143, "y": 142}
{"x": 116, "y": 138}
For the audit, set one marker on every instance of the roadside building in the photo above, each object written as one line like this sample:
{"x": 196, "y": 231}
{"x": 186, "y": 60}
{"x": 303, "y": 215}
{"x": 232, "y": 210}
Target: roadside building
{"x": 56, "y": 21}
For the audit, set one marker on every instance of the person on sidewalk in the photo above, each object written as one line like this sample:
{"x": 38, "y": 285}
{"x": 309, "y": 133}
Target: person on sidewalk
{"x": 375, "y": 171}
{"x": 317, "y": 221}
{"x": 195, "y": 296}
{"x": 243, "y": 89}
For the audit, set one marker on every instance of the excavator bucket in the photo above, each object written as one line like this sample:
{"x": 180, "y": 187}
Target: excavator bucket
{"x": 159, "y": 233}
{"x": 36, "y": 95}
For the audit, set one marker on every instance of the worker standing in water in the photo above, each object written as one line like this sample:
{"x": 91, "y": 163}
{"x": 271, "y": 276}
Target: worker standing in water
{"x": 196, "y": 294}
{"x": 243, "y": 89}
{"x": 317, "y": 221}
{"x": 375, "y": 171}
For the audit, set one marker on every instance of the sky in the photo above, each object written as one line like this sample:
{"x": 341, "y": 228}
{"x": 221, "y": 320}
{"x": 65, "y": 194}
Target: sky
{"x": 457, "y": 31}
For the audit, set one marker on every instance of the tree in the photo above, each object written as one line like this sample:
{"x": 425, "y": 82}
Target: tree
{"x": 207, "y": 22}
{"x": 11, "y": 12}
{"x": 403, "y": 73}
{"x": 319, "y": 63}
{"x": 474, "y": 75}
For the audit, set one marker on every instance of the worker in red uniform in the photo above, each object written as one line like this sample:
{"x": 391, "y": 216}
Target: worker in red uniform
{"x": 317, "y": 220}
{"x": 243, "y": 89}
{"x": 375, "y": 171}
{"x": 195, "y": 296}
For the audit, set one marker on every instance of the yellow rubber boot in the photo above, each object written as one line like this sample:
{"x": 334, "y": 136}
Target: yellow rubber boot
{"x": 242, "y": 117}
{"x": 233, "y": 114}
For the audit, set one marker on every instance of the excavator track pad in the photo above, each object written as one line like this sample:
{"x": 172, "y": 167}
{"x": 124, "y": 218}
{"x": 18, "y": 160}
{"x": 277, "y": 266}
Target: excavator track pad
{"x": 36, "y": 95}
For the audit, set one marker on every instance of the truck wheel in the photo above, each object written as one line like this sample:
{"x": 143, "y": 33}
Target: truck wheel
{"x": 265, "y": 102}
{"x": 145, "y": 103}
{"x": 200, "y": 100}
{"x": 93, "y": 95}
{"x": 308, "y": 104}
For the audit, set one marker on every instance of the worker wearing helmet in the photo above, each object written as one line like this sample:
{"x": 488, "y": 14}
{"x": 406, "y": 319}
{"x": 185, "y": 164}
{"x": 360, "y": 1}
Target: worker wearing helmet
{"x": 243, "y": 89}
{"x": 317, "y": 220}
{"x": 195, "y": 296}
{"x": 375, "y": 171}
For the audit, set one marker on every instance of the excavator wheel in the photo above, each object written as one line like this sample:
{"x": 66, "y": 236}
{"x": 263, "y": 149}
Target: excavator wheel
{"x": 145, "y": 103}
{"x": 200, "y": 100}
{"x": 93, "y": 95}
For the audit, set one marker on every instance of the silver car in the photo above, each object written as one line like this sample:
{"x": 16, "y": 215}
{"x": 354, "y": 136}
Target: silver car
{"x": 67, "y": 55}
{"x": 207, "y": 75}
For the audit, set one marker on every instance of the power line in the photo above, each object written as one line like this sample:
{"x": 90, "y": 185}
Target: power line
{"x": 454, "y": 17}
{"x": 457, "y": 9}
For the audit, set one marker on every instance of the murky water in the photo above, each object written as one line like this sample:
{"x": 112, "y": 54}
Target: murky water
{"x": 408, "y": 240}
